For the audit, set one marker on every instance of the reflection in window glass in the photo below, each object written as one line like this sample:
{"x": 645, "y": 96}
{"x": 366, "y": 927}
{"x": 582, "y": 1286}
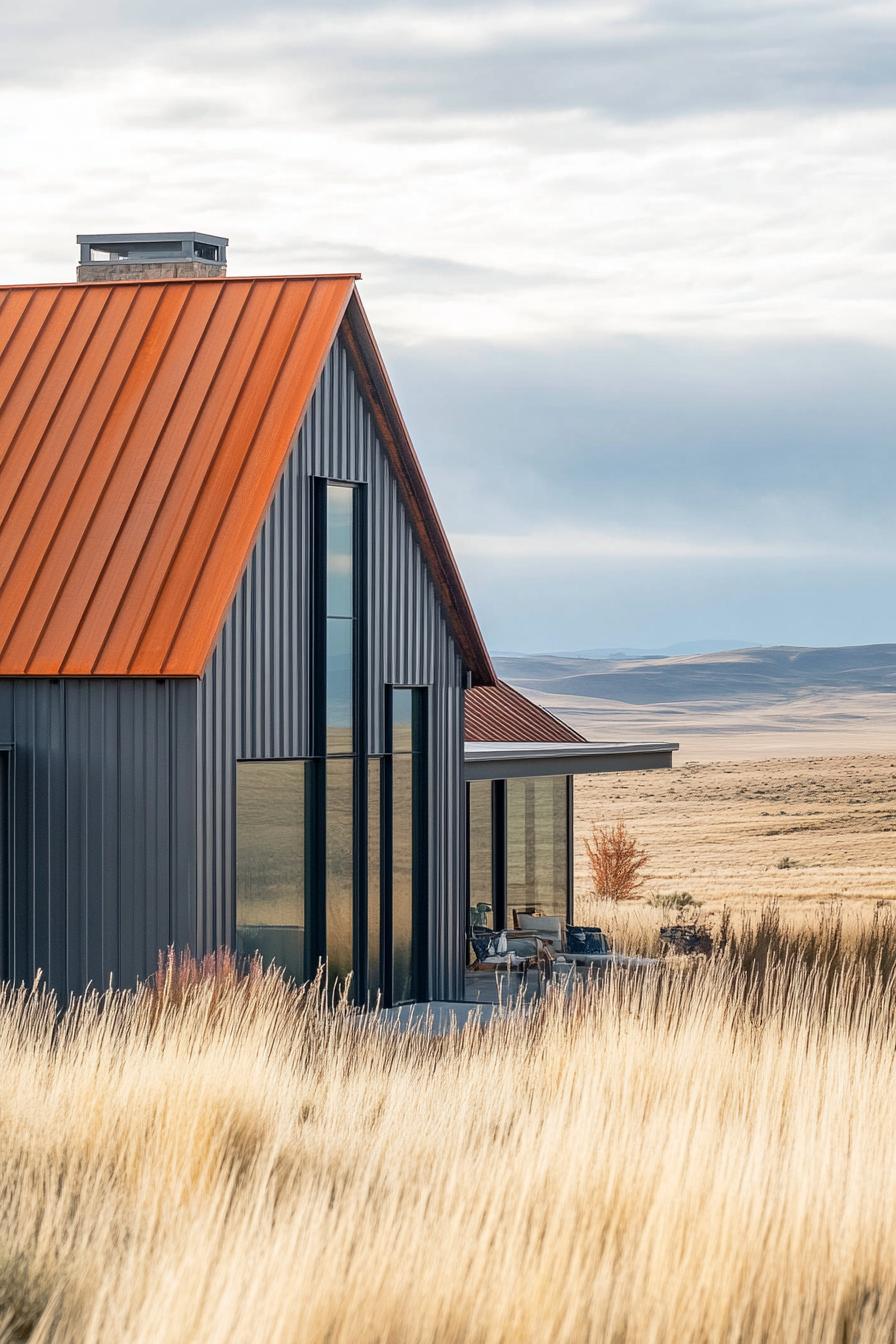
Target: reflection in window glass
{"x": 340, "y": 535}
{"x": 339, "y": 867}
{"x": 270, "y": 862}
{"x": 402, "y": 720}
{"x": 537, "y": 845}
{"x": 374, "y": 771}
{"x": 402, "y": 878}
{"x": 481, "y": 890}
{"x": 340, "y": 635}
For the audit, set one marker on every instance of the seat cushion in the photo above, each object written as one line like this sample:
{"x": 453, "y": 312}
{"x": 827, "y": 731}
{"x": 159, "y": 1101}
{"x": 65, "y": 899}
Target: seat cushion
{"x": 523, "y": 947}
{"x": 587, "y": 939}
{"x": 548, "y": 927}
{"x": 490, "y": 945}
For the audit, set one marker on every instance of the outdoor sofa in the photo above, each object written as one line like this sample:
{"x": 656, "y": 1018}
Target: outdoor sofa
{"x": 574, "y": 945}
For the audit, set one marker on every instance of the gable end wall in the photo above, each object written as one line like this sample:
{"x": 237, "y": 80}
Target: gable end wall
{"x": 254, "y": 697}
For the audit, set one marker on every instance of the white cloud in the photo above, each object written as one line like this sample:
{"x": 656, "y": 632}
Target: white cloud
{"x": 308, "y": 138}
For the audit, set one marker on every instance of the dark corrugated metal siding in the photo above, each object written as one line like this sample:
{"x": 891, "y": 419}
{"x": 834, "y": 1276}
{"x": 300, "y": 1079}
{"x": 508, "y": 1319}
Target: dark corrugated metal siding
{"x": 253, "y": 698}
{"x": 103, "y": 819}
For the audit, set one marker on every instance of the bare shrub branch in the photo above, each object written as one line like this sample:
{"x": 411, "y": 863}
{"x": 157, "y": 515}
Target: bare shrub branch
{"x": 616, "y": 860}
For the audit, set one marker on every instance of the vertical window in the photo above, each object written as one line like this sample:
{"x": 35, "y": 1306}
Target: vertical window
{"x": 374, "y": 862}
{"x": 6, "y": 921}
{"x": 480, "y": 853}
{"x": 537, "y": 845}
{"x": 340, "y": 619}
{"x": 270, "y": 862}
{"x": 339, "y": 736}
{"x": 340, "y": 867}
{"x": 408, "y": 829}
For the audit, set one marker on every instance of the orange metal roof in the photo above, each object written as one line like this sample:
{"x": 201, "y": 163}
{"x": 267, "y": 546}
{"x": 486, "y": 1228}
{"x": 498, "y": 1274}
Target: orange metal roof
{"x": 143, "y": 427}
{"x": 142, "y": 431}
{"x": 502, "y": 714}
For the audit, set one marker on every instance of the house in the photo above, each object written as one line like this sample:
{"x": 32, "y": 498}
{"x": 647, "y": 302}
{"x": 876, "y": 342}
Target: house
{"x": 235, "y": 648}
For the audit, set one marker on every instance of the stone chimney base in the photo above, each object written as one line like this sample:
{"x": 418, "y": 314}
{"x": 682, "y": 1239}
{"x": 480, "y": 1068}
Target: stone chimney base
{"x": 103, "y": 271}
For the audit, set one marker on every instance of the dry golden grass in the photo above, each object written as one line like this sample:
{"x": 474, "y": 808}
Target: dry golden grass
{"x": 673, "y": 1156}
{"x": 720, "y": 829}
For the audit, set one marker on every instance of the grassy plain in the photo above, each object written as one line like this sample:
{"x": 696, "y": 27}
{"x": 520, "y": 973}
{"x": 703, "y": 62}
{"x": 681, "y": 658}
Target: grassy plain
{"x": 805, "y": 831}
{"x": 685, "y": 1155}
{"x": 695, "y": 1153}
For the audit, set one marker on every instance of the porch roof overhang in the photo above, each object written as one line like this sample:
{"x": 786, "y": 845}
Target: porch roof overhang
{"x": 515, "y": 760}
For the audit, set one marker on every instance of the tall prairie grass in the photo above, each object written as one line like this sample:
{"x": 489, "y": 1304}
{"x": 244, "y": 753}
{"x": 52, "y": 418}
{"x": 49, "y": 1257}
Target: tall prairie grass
{"x": 703, "y": 1152}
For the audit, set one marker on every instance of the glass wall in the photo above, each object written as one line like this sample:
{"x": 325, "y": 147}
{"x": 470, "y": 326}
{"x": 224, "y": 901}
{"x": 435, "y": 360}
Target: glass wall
{"x": 270, "y": 862}
{"x": 374, "y": 885}
{"x": 537, "y": 845}
{"x": 480, "y": 854}
{"x": 518, "y": 848}
{"x": 339, "y": 779}
{"x": 340, "y": 628}
{"x": 408, "y": 868}
{"x": 340, "y": 868}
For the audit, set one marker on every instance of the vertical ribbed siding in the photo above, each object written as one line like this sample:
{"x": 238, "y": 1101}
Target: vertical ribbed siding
{"x": 254, "y": 696}
{"x": 104, "y": 824}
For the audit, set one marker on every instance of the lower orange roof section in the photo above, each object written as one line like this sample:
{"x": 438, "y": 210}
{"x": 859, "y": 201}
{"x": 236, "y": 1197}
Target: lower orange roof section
{"x": 500, "y": 713}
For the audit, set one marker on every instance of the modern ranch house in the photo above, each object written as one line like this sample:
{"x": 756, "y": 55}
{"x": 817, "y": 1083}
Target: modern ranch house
{"x": 244, "y": 700}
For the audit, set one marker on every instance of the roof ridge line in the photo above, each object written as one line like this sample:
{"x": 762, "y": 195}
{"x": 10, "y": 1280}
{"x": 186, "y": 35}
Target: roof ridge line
{"x": 21, "y": 285}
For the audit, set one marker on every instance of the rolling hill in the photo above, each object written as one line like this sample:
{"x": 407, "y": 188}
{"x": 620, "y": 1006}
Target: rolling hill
{"x": 785, "y": 700}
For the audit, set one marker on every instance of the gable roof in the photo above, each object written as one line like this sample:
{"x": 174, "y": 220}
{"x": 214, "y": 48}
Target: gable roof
{"x": 500, "y": 713}
{"x": 143, "y": 428}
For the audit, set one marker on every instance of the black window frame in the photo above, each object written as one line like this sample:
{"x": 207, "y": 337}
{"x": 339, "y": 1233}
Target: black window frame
{"x": 7, "y": 868}
{"x": 419, "y": 753}
{"x": 309, "y": 809}
{"x": 499, "y": 851}
{"x": 316, "y": 866}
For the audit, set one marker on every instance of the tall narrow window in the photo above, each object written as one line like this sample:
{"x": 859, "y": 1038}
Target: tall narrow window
{"x": 340, "y": 631}
{"x": 374, "y": 884}
{"x": 408, "y": 831}
{"x": 340, "y": 728}
{"x": 270, "y": 862}
{"x": 480, "y": 854}
{"x": 6, "y": 923}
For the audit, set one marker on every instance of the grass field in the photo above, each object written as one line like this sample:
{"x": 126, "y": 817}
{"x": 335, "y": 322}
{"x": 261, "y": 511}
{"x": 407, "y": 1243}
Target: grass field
{"x": 674, "y": 1157}
{"x": 697, "y": 1153}
{"x": 721, "y": 830}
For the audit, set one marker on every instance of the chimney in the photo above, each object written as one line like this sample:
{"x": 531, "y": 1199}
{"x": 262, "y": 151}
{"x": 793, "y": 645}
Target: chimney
{"x": 151, "y": 256}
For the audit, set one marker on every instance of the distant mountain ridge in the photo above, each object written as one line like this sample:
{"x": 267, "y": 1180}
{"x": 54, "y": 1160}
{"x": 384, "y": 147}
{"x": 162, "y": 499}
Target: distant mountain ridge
{"x": 754, "y": 675}
{"x": 667, "y": 651}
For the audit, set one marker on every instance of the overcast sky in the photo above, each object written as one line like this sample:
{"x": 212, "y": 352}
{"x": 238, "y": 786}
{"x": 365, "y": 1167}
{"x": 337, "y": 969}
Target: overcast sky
{"x": 632, "y": 265}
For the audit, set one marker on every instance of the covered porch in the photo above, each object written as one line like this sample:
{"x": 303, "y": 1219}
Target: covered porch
{"x": 520, "y": 849}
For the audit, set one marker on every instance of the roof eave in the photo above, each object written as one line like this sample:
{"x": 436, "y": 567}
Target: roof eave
{"x": 511, "y": 760}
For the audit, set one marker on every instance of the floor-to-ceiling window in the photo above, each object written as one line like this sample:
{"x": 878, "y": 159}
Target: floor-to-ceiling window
{"x": 340, "y": 726}
{"x": 270, "y": 862}
{"x": 519, "y": 848}
{"x": 480, "y": 853}
{"x": 6, "y": 920}
{"x": 374, "y": 877}
{"x": 537, "y": 839}
{"x": 332, "y": 852}
{"x": 407, "y": 876}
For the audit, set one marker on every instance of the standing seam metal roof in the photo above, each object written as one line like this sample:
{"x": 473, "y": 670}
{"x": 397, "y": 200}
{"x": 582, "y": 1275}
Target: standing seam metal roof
{"x": 502, "y": 714}
{"x": 143, "y": 428}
